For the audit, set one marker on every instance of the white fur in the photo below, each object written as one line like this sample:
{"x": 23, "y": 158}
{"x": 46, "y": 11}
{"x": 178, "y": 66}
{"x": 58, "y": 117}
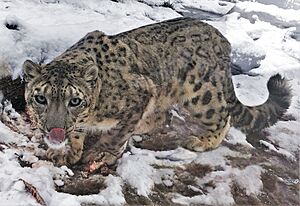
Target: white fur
{"x": 96, "y": 128}
{"x": 55, "y": 146}
{"x": 103, "y": 126}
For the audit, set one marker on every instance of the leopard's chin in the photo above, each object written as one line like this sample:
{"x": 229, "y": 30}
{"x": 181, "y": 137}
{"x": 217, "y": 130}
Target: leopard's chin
{"x": 55, "y": 144}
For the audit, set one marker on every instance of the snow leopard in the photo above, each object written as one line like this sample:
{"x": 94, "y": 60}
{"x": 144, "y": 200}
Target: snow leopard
{"x": 114, "y": 86}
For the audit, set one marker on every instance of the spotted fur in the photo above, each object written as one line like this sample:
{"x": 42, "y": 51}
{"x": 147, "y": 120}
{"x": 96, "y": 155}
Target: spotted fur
{"x": 130, "y": 80}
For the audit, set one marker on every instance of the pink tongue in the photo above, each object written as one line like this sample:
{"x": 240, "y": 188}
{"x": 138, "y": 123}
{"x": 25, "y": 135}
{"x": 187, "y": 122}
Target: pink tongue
{"x": 57, "y": 135}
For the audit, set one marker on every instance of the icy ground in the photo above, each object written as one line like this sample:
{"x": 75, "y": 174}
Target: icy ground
{"x": 257, "y": 169}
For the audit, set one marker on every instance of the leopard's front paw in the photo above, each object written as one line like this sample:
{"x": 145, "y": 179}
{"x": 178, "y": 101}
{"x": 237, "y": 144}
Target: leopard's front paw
{"x": 63, "y": 156}
{"x": 58, "y": 157}
{"x": 99, "y": 160}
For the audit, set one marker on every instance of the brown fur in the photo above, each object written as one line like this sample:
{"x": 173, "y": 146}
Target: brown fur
{"x": 130, "y": 80}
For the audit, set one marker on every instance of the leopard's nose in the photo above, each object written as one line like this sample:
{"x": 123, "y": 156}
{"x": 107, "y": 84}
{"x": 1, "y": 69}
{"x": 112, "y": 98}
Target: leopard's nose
{"x": 53, "y": 122}
{"x": 56, "y": 116}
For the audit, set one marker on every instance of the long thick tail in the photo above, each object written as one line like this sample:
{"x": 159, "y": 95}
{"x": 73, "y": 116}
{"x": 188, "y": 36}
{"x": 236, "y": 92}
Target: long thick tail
{"x": 254, "y": 119}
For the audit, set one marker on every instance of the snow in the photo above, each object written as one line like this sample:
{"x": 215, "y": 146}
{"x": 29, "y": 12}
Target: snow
{"x": 114, "y": 191}
{"x": 283, "y": 14}
{"x": 235, "y": 136}
{"x": 142, "y": 177}
{"x": 279, "y": 150}
{"x": 6, "y": 135}
{"x": 39, "y": 22}
{"x": 286, "y": 138}
{"x": 249, "y": 179}
{"x": 221, "y": 192}
{"x": 145, "y": 176}
{"x": 217, "y": 157}
{"x": 214, "y": 6}
{"x": 265, "y": 41}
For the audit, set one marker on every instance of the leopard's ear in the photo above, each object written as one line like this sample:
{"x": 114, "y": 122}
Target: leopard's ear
{"x": 91, "y": 73}
{"x": 31, "y": 70}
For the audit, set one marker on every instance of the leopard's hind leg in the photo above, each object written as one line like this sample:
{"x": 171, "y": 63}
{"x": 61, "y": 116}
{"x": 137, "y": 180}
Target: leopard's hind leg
{"x": 209, "y": 139}
{"x": 206, "y": 103}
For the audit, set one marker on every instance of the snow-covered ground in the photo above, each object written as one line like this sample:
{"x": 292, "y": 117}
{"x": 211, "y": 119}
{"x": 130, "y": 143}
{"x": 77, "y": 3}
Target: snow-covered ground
{"x": 265, "y": 39}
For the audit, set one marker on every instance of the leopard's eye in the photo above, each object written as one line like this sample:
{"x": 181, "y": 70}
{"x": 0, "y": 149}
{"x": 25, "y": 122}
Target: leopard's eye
{"x": 74, "y": 102}
{"x": 40, "y": 99}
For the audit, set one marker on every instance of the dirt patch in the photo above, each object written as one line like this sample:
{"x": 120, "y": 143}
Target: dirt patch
{"x": 132, "y": 198}
{"x": 241, "y": 198}
{"x": 278, "y": 192}
{"x": 80, "y": 185}
{"x": 173, "y": 133}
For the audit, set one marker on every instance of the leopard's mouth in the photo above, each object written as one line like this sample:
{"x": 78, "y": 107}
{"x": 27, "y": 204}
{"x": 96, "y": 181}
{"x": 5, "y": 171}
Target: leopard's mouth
{"x": 56, "y": 138}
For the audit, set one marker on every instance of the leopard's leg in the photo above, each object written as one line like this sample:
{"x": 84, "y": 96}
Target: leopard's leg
{"x": 112, "y": 143}
{"x": 205, "y": 102}
{"x": 71, "y": 153}
{"x": 153, "y": 116}
{"x": 210, "y": 139}
{"x": 76, "y": 148}
{"x": 151, "y": 121}
{"x": 108, "y": 149}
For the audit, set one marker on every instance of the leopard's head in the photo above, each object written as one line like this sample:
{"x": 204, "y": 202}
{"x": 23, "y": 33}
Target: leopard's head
{"x": 60, "y": 95}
